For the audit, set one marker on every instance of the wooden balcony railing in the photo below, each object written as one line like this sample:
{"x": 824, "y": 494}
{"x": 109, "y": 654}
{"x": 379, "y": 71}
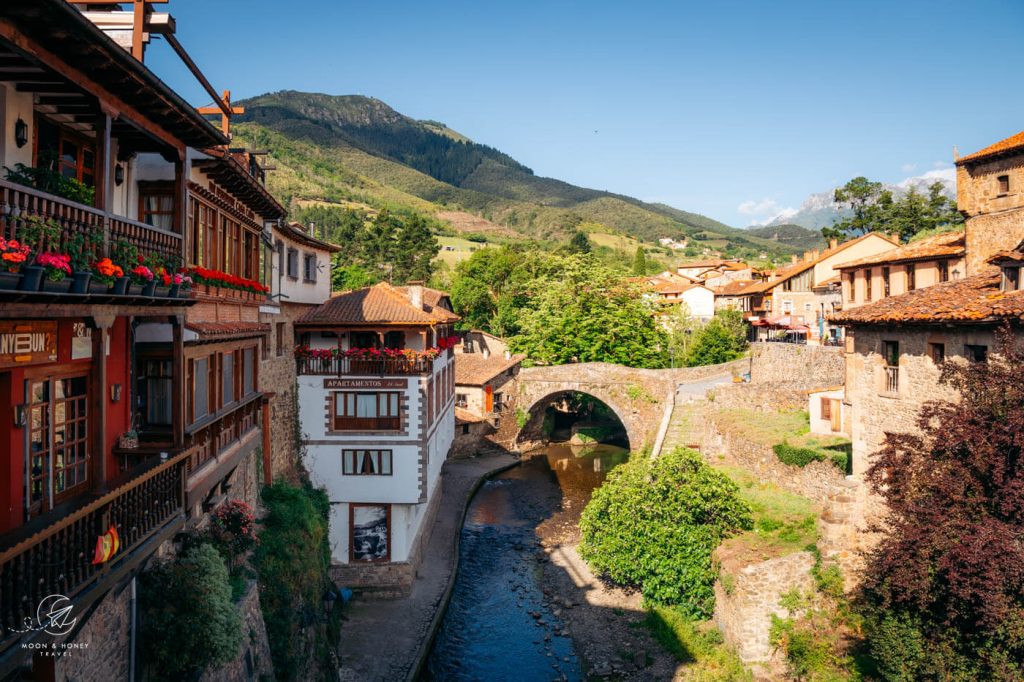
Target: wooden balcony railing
{"x": 340, "y": 366}
{"x": 57, "y": 558}
{"x": 18, "y": 202}
{"x": 211, "y": 439}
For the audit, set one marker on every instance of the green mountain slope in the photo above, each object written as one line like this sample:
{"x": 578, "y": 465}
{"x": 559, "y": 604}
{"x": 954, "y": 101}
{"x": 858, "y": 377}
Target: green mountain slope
{"x": 791, "y": 235}
{"x": 354, "y": 148}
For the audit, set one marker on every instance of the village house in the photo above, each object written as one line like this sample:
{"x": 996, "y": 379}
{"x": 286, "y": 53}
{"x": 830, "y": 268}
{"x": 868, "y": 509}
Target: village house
{"x": 716, "y": 272}
{"x": 917, "y": 265}
{"x": 672, "y": 289}
{"x": 485, "y": 388}
{"x": 128, "y": 323}
{"x": 795, "y": 302}
{"x": 299, "y": 278}
{"x": 376, "y": 394}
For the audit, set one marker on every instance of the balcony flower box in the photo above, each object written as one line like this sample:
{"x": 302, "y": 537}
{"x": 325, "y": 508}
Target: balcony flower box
{"x": 59, "y": 287}
{"x": 80, "y": 282}
{"x": 31, "y": 277}
{"x": 9, "y": 280}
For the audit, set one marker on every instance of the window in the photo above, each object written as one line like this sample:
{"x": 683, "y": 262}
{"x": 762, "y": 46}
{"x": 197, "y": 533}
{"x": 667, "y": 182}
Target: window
{"x": 200, "y": 382}
{"x": 787, "y": 307}
{"x": 395, "y": 340}
{"x": 975, "y": 353}
{"x": 156, "y": 205}
{"x": 891, "y": 356}
{"x": 228, "y": 375}
{"x": 293, "y": 263}
{"x": 309, "y": 267}
{"x": 58, "y": 431}
{"x": 937, "y": 352}
{"x": 71, "y": 155}
{"x": 851, "y": 281}
{"x": 364, "y": 339}
{"x": 885, "y": 282}
{"x": 1004, "y": 184}
{"x": 249, "y": 371}
{"x": 367, "y": 411}
{"x": 1011, "y": 278}
{"x": 366, "y": 462}
{"x": 280, "y": 338}
{"x": 867, "y": 283}
{"x": 911, "y": 276}
{"x": 155, "y": 382}
{"x": 465, "y": 429}
{"x": 944, "y": 271}
{"x": 826, "y": 408}
{"x": 265, "y": 347}
{"x": 461, "y": 400}
{"x": 499, "y": 402}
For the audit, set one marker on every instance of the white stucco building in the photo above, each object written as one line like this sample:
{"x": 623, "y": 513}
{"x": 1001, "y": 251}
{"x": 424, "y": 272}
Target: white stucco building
{"x": 376, "y": 406}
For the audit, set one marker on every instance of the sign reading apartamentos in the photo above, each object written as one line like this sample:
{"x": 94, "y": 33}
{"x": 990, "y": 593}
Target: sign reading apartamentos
{"x": 364, "y": 383}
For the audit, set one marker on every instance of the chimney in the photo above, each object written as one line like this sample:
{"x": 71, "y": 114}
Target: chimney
{"x": 508, "y": 355}
{"x": 312, "y": 229}
{"x": 416, "y": 295}
{"x": 793, "y": 258}
{"x": 815, "y": 254}
{"x": 833, "y": 243}
{"x": 486, "y": 353}
{"x": 807, "y": 255}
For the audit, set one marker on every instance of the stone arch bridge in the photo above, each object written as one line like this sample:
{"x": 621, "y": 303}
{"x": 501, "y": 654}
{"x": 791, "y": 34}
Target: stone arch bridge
{"x": 641, "y": 398}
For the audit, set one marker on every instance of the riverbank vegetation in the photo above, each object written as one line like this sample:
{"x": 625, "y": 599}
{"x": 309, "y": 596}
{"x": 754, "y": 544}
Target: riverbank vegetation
{"x": 698, "y": 645}
{"x": 654, "y": 524}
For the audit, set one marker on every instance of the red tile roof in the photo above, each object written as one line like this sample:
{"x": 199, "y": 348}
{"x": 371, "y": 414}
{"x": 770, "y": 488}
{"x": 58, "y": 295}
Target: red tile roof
{"x": 381, "y": 304}
{"x": 1011, "y": 144}
{"x": 297, "y": 232}
{"x": 974, "y": 299}
{"x": 716, "y": 263}
{"x": 738, "y": 287}
{"x": 473, "y": 369}
{"x": 464, "y": 416}
{"x": 946, "y": 245}
{"x": 227, "y": 330}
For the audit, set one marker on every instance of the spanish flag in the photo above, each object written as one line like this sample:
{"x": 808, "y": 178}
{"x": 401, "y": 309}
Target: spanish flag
{"x": 106, "y": 546}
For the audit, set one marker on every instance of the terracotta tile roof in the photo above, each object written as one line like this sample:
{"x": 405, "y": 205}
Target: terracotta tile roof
{"x": 1008, "y": 257}
{"x": 803, "y": 265}
{"x": 946, "y": 245}
{"x": 464, "y": 416}
{"x": 473, "y": 369}
{"x": 381, "y": 304}
{"x": 432, "y": 297}
{"x": 974, "y": 299}
{"x": 716, "y": 263}
{"x": 1010, "y": 144}
{"x": 227, "y": 330}
{"x": 834, "y": 279}
{"x": 297, "y": 232}
{"x": 738, "y": 287}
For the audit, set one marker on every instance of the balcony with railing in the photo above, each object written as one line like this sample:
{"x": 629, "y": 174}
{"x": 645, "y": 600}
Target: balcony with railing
{"x": 892, "y": 380}
{"x": 341, "y": 365}
{"x": 216, "y": 444}
{"x": 53, "y": 554}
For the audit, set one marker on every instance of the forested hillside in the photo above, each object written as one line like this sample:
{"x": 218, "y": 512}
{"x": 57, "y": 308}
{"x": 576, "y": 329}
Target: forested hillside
{"x": 354, "y": 148}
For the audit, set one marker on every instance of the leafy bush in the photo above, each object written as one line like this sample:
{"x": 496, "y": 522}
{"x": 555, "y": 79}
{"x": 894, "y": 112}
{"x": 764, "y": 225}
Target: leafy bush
{"x": 654, "y": 524}
{"x": 189, "y": 622}
{"x": 292, "y": 560}
{"x": 52, "y": 181}
{"x": 695, "y": 643}
{"x": 801, "y": 456}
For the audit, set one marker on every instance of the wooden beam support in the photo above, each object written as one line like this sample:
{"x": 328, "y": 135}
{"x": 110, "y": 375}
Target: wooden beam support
{"x": 98, "y": 401}
{"x": 178, "y": 379}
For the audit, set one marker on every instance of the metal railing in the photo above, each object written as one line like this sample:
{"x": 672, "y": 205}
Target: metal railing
{"x": 341, "y": 365}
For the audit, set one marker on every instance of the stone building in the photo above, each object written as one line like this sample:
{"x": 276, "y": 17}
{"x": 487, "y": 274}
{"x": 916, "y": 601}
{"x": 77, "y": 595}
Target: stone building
{"x": 917, "y": 265}
{"x": 716, "y": 272}
{"x": 989, "y": 186}
{"x": 299, "y": 276}
{"x": 376, "y": 387}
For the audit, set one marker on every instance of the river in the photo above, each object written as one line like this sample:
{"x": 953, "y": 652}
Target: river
{"x": 499, "y": 624}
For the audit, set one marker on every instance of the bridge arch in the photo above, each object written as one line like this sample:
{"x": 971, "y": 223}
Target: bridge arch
{"x": 538, "y": 404}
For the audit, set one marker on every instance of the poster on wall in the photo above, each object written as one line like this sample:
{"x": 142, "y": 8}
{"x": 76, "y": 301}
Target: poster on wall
{"x": 370, "y": 532}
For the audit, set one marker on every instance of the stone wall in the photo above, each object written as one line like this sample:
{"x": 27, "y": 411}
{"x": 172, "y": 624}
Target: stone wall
{"x": 391, "y": 580}
{"x": 994, "y": 220}
{"x": 812, "y": 366}
{"x": 106, "y": 636}
{"x": 253, "y": 661}
{"x": 746, "y": 596}
{"x": 761, "y": 397}
{"x": 277, "y": 375}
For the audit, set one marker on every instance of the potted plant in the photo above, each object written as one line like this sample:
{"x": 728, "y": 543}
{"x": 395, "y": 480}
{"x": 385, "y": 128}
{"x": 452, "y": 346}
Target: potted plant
{"x": 56, "y": 270}
{"x": 13, "y": 255}
{"x": 38, "y": 234}
{"x": 179, "y": 283}
{"x": 123, "y": 253}
{"x": 81, "y": 249}
{"x": 129, "y": 440}
{"x": 110, "y": 275}
{"x": 143, "y": 278}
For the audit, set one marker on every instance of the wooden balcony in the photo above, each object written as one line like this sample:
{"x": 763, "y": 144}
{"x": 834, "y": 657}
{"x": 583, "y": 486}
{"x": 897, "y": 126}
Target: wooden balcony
{"x": 18, "y": 202}
{"x": 52, "y": 555}
{"x": 218, "y": 444}
{"x": 343, "y": 366}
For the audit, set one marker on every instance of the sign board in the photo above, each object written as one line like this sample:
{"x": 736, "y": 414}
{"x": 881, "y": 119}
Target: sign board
{"x": 81, "y": 341}
{"x": 28, "y": 342}
{"x": 365, "y": 383}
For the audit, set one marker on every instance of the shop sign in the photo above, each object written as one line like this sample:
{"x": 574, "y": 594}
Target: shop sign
{"x": 26, "y": 343}
{"x": 365, "y": 383}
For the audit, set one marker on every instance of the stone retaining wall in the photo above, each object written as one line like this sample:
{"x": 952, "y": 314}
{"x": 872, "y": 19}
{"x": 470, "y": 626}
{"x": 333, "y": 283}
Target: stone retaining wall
{"x": 743, "y": 612}
{"x": 775, "y": 396}
{"x": 253, "y": 661}
{"x": 812, "y": 366}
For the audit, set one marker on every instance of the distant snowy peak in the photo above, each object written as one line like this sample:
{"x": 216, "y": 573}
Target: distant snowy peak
{"x": 818, "y": 210}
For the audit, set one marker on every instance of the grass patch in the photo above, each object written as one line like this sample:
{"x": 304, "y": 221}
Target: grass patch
{"x": 783, "y": 521}
{"x": 696, "y": 644}
{"x": 789, "y": 435}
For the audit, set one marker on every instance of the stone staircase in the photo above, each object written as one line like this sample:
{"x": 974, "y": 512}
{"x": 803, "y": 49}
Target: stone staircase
{"x": 686, "y": 424}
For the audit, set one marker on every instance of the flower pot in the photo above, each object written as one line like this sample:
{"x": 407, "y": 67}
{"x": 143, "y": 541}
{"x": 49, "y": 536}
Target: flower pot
{"x": 162, "y": 292}
{"x": 31, "y": 278}
{"x": 61, "y": 287}
{"x": 9, "y": 280}
{"x": 80, "y": 282}
{"x": 149, "y": 288}
{"x": 174, "y": 291}
{"x": 120, "y": 286}
{"x": 98, "y": 288}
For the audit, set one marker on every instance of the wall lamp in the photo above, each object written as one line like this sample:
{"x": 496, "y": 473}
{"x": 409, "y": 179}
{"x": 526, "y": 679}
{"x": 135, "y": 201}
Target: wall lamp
{"x": 118, "y": 174}
{"x": 19, "y": 416}
{"x": 20, "y": 133}
{"x": 115, "y": 393}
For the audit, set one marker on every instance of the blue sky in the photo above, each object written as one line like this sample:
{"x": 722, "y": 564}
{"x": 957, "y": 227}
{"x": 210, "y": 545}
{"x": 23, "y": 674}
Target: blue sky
{"x": 732, "y": 109}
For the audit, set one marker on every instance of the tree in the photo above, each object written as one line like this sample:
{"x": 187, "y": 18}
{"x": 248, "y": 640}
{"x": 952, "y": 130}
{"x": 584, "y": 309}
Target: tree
{"x": 654, "y": 524}
{"x": 716, "y": 342}
{"x": 944, "y": 589}
{"x": 859, "y": 195}
{"x": 875, "y": 208}
{"x": 579, "y": 243}
{"x": 640, "y": 262}
{"x": 589, "y": 314}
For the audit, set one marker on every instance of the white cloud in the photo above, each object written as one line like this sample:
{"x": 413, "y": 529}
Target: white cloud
{"x": 908, "y": 167}
{"x": 941, "y": 164}
{"x": 764, "y": 211}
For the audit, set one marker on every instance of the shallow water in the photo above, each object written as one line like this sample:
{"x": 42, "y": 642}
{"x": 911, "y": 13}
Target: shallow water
{"x": 498, "y": 625}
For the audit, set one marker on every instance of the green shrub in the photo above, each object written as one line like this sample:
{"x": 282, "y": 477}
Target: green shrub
{"x": 189, "y": 622}
{"x": 292, "y": 560}
{"x": 801, "y": 456}
{"x": 897, "y": 647}
{"x": 654, "y": 524}
{"x": 697, "y": 644}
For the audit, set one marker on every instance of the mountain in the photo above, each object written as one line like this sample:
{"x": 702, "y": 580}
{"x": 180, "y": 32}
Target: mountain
{"x": 798, "y": 237}
{"x": 818, "y": 210}
{"x": 358, "y": 149}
